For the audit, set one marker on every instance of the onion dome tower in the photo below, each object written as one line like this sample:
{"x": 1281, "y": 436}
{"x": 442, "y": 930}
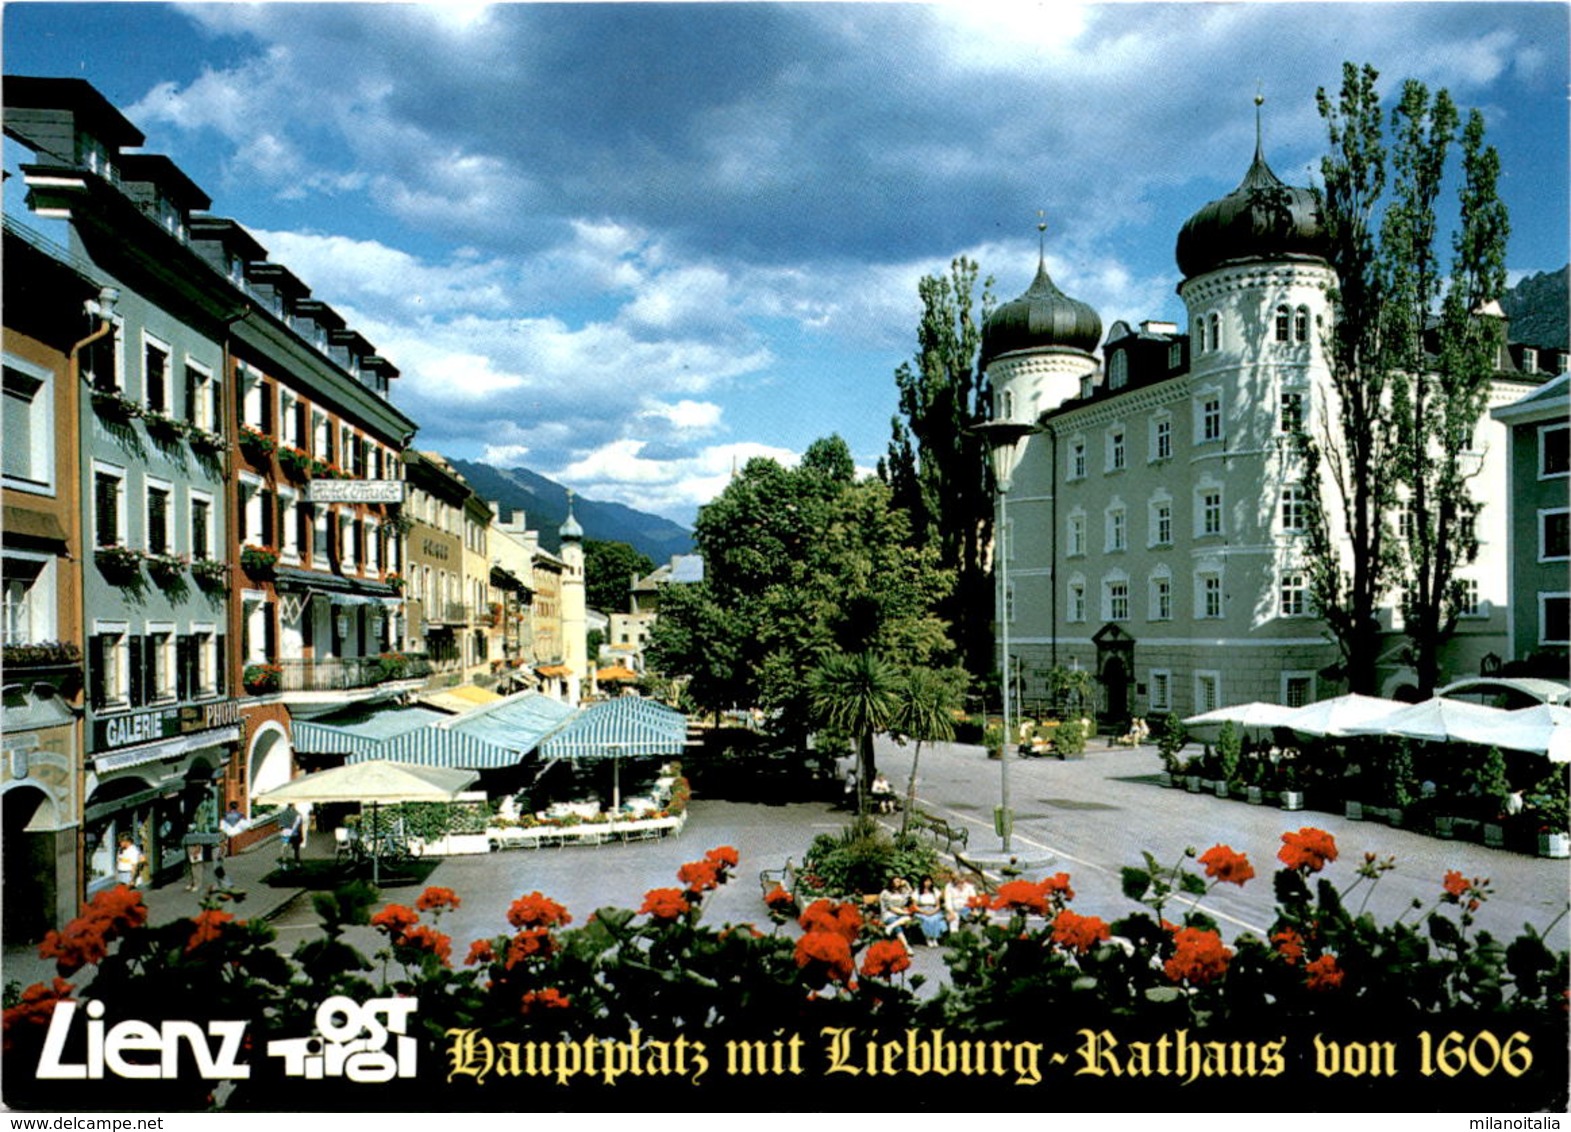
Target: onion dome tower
{"x": 1035, "y": 348}
{"x": 575, "y": 618}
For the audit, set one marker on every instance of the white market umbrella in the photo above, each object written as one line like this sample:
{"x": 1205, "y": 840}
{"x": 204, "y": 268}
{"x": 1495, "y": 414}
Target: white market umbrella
{"x": 1544, "y": 729}
{"x": 1253, "y": 716}
{"x": 1332, "y": 718}
{"x": 1438, "y": 720}
{"x": 374, "y": 781}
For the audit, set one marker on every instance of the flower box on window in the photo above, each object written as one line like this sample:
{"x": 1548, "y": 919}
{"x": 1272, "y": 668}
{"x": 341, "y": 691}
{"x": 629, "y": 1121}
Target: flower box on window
{"x": 164, "y": 427}
{"x": 119, "y": 563}
{"x": 165, "y": 569}
{"x": 110, "y": 405}
{"x": 41, "y": 654}
{"x": 258, "y": 560}
{"x": 295, "y": 462}
{"x": 255, "y": 444}
{"x": 397, "y": 581}
{"x": 204, "y": 441}
{"x": 260, "y": 679}
{"x": 210, "y": 573}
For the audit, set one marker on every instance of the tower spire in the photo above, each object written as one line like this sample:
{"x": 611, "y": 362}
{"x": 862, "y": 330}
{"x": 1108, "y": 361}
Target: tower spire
{"x": 1041, "y": 238}
{"x": 1259, "y": 101}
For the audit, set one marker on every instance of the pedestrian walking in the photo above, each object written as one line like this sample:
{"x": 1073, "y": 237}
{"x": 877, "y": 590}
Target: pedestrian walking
{"x": 195, "y": 866}
{"x": 128, "y": 861}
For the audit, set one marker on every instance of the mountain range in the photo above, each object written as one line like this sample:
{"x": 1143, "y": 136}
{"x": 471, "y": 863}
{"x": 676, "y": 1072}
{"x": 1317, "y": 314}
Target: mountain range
{"x": 545, "y": 503}
{"x": 1539, "y": 309}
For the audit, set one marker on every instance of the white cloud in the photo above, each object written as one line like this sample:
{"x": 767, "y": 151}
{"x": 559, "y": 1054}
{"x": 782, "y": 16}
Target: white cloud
{"x": 686, "y": 415}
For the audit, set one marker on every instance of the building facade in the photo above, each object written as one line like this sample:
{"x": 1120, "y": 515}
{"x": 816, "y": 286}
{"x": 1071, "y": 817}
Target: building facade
{"x": 1156, "y": 519}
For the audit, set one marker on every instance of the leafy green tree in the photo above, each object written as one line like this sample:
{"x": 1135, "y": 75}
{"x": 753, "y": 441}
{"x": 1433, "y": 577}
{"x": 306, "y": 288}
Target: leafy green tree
{"x": 937, "y": 469}
{"x": 854, "y": 695}
{"x": 1410, "y": 361}
{"x": 609, "y": 571}
{"x": 925, "y": 706}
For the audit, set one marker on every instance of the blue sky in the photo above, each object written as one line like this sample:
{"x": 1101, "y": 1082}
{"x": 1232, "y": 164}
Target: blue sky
{"x": 632, "y": 245}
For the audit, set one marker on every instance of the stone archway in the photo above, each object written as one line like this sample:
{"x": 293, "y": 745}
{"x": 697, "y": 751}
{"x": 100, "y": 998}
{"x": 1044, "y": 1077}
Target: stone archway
{"x": 270, "y": 759}
{"x": 1115, "y": 667}
{"x": 29, "y": 855}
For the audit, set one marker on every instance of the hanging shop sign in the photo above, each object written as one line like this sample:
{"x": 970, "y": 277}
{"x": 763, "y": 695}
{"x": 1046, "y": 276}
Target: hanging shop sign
{"x": 355, "y": 491}
{"x": 163, "y": 723}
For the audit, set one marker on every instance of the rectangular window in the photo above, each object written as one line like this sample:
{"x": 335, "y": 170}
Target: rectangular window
{"x": 158, "y": 518}
{"x": 1471, "y": 606}
{"x": 100, "y": 362}
{"x": 1162, "y": 524}
{"x": 28, "y": 420}
{"x": 1294, "y": 507}
{"x": 108, "y": 507}
{"x": 1210, "y": 596}
{"x": 1161, "y": 689}
{"x": 1211, "y": 511}
{"x": 1077, "y": 535}
{"x": 158, "y": 667}
{"x": 1164, "y": 439}
{"x": 1554, "y": 451}
{"x": 155, "y": 376}
{"x": 1161, "y": 599}
{"x": 1077, "y": 601}
{"x": 1211, "y": 419}
{"x": 1117, "y": 530}
{"x": 1116, "y": 455}
{"x": 1294, "y": 593}
{"x": 1554, "y": 535}
{"x": 1208, "y": 691}
{"x": 29, "y": 608}
{"x": 1297, "y": 689}
{"x": 201, "y": 527}
{"x": 1554, "y": 619}
{"x": 107, "y": 667}
{"x": 1292, "y": 418}
{"x": 1117, "y": 601}
{"x": 1077, "y": 459}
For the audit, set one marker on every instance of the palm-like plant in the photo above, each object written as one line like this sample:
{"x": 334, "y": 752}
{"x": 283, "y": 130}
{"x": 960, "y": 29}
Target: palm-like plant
{"x": 925, "y": 712}
{"x": 854, "y": 695}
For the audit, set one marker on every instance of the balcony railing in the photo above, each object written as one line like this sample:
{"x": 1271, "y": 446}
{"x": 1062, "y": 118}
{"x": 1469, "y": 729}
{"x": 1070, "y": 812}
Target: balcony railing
{"x": 336, "y": 674}
{"x": 446, "y": 613}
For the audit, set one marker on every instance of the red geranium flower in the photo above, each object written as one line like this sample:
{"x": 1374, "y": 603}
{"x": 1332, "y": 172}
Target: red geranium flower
{"x": 1056, "y": 888}
{"x": 548, "y": 999}
{"x": 527, "y": 945}
{"x": 435, "y": 899}
{"x": 1198, "y": 957}
{"x": 480, "y": 951}
{"x": 428, "y": 939}
{"x": 777, "y": 898}
{"x": 665, "y": 904}
{"x": 1022, "y": 896}
{"x": 209, "y": 924}
{"x": 86, "y": 939}
{"x": 1455, "y": 883}
{"x": 826, "y": 916}
{"x": 36, "y": 1007}
{"x": 1324, "y": 974}
{"x": 885, "y": 957}
{"x": 1079, "y": 932}
{"x": 724, "y": 856}
{"x": 825, "y": 956}
{"x": 537, "y": 911}
{"x": 1223, "y": 864}
{"x": 1309, "y": 849}
{"x": 395, "y": 920}
{"x": 1289, "y": 945}
{"x": 699, "y": 876}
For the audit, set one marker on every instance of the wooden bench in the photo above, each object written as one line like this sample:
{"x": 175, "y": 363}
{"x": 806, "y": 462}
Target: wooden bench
{"x": 941, "y": 830}
{"x": 783, "y": 877}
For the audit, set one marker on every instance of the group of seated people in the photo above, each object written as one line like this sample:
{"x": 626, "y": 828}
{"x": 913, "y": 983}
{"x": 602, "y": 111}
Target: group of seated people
{"x": 934, "y": 912}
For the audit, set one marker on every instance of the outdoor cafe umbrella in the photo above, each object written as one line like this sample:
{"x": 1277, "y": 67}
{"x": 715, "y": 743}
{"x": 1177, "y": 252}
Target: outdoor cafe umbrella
{"x": 1543, "y": 729}
{"x": 1254, "y": 716}
{"x": 1335, "y": 716}
{"x": 1437, "y": 720}
{"x": 374, "y": 781}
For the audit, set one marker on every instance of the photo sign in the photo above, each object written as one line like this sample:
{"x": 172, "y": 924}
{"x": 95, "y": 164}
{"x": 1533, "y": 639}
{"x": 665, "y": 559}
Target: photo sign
{"x": 355, "y": 491}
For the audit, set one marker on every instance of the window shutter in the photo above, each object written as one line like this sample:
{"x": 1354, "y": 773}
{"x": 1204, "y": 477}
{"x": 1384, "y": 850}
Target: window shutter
{"x": 270, "y": 631}
{"x": 240, "y": 512}
{"x": 185, "y": 668}
{"x": 107, "y": 491}
{"x": 267, "y": 407}
{"x": 139, "y": 689}
{"x": 220, "y": 658}
{"x": 157, "y": 522}
{"x": 96, "y": 671}
{"x": 192, "y": 395}
{"x": 269, "y": 516}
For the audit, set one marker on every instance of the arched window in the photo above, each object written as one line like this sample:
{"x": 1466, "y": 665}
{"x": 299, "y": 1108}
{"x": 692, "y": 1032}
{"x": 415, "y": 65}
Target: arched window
{"x": 1118, "y": 375}
{"x": 1301, "y": 325}
{"x": 1200, "y": 335}
{"x": 1283, "y": 321}
{"x": 1216, "y": 332}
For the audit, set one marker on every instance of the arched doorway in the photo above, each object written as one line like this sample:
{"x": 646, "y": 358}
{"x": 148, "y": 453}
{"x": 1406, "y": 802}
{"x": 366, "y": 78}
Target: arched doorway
{"x": 29, "y": 856}
{"x": 1115, "y": 667}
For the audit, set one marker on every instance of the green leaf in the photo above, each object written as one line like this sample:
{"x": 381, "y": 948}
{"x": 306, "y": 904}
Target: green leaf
{"x": 1135, "y": 882}
{"x": 1163, "y": 994}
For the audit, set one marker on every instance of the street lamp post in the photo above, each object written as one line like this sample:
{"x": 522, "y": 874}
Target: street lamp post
{"x": 1006, "y": 442}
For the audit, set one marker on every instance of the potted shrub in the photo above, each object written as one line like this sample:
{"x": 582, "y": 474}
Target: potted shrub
{"x": 256, "y": 445}
{"x": 258, "y": 560}
{"x": 1229, "y": 750}
{"x": 295, "y": 462}
{"x": 1292, "y": 792}
{"x": 1168, "y": 744}
{"x": 1548, "y": 805}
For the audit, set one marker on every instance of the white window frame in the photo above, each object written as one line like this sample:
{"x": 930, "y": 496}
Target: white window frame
{"x": 122, "y": 520}
{"x": 1299, "y": 605}
{"x": 1473, "y": 605}
{"x": 1161, "y": 437}
{"x": 1297, "y": 399}
{"x": 1208, "y": 504}
{"x": 1208, "y": 418}
{"x": 117, "y": 691}
{"x": 204, "y": 638}
{"x": 253, "y": 391}
{"x": 1161, "y": 678}
{"x": 1214, "y": 701}
{"x": 153, "y": 342}
{"x": 1286, "y": 682}
{"x": 288, "y": 531}
{"x": 1543, "y": 549}
{"x": 159, "y": 636}
{"x": 34, "y": 618}
{"x": 1117, "y": 439}
{"x": 1159, "y": 512}
{"x": 1076, "y": 542}
{"x": 1077, "y": 458}
{"x": 171, "y": 515}
{"x": 1208, "y": 584}
{"x": 1543, "y": 434}
{"x": 40, "y": 413}
{"x": 1283, "y": 323}
{"x": 252, "y": 486}
{"x": 1118, "y": 370}
{"x": 1075, "y": 610}
{"x": 1160, "y": 587}
{"x": 1543, "y": 621}
{"x": 1115, "y": 592}
{"x": 199, "y": 408}
{"x": 1116, "y": 528}
{"x": 1294, "y": 512}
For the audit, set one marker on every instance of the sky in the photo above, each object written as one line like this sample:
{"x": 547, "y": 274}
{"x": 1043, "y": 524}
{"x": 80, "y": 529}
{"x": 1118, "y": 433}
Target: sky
{"x": 632, "y": 245}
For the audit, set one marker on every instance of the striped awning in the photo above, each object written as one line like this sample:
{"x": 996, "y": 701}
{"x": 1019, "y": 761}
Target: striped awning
{"x": 628, "y": 726}
{"x": 494, "y": 735}
{"x": 361, "y": 732}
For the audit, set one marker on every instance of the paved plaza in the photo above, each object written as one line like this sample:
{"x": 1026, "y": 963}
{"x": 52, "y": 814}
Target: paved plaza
{"x": 1087, "y": 817}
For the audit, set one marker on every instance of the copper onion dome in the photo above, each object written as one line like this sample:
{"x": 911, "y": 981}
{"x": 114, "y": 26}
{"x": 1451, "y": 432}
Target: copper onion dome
{"x": 1042, "y": 317}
